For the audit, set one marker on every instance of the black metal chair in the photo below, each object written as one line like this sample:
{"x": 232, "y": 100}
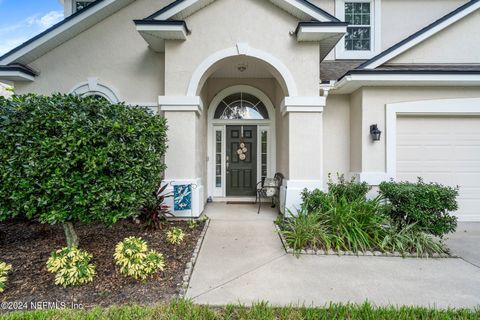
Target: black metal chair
{"x": 269, "y": 188}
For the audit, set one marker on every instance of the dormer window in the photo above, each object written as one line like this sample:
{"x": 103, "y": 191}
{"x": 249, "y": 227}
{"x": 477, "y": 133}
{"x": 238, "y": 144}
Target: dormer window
{"x": 362, "y": 40}
{"x": 79, "y": 5}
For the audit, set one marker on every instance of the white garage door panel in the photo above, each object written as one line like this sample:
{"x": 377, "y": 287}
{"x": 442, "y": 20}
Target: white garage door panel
{"x": 444, "y": 150}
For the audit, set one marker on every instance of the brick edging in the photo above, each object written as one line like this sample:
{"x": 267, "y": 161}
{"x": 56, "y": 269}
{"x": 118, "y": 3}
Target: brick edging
{"x": 330, "y": 252}
{"x": 189, "y": 266}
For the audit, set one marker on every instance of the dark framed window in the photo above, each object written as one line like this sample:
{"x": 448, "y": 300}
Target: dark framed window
{"x": 358, "y": 15}
{"x": 79, "y": 5}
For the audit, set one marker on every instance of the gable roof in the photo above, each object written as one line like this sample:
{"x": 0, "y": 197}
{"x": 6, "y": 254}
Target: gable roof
{"x": 100, "y": 9}
{"x": 421, "y": 35}
{"x": 63, "y": 31}
{"x": 302, "y": 9}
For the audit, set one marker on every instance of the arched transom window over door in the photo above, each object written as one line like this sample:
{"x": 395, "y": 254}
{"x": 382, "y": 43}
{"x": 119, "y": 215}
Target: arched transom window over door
{"x": 241, "y": 106}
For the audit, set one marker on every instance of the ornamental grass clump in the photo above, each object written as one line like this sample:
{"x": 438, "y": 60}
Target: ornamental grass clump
{"x": 4, "y": 268}
{"x": 71, "y": 266}
{"x": 175, "y": 235}
{"x": 343, "y": 219}
{"x": 135, "y": 260}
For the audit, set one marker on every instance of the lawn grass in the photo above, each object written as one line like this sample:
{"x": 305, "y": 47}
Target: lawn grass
{"x": 186, "y": 310}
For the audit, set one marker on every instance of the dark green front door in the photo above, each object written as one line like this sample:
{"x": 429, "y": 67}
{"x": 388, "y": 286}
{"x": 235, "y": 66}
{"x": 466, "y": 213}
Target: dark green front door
{"x": 241, "y": 174}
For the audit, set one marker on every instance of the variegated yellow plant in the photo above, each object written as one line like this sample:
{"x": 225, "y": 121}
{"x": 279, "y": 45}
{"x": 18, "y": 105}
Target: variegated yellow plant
{"x": 4, "y": 268}
{"x": 175, "y": 235}
{"x": 71, "y": 266}
{"x": 135, "y": 260}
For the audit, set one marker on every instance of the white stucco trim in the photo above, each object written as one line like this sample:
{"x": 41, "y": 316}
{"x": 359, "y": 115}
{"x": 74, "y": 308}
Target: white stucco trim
{"x": 93, "y": 87}
{"x": 291, "y": 194}
{"x": 460, "y": 106}
{"x": 180, "y": 103}
{"x": 421, "y": 36}
{"x": 201, "y": 73}
{"x": 16, "y": 76}
{"x": 376, "y": 44}
{"x": 303, "y": 104}
{"x": 217, "y": 124}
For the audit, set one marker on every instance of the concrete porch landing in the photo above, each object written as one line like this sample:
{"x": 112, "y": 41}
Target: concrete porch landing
{"x": 242, "y": 260}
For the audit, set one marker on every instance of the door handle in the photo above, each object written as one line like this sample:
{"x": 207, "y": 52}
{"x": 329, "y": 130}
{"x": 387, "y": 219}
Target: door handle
{"x": 227, "y": 163}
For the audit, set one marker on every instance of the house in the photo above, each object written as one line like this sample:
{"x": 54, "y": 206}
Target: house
{"x": 376, "y": 89}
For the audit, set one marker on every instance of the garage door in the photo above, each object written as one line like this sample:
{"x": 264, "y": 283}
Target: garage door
{"x": 444, "y": 150}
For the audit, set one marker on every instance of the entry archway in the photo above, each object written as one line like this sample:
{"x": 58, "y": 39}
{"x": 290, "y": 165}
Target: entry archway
{"x": 275, "y": 66}
{"x": 218, "y": 127}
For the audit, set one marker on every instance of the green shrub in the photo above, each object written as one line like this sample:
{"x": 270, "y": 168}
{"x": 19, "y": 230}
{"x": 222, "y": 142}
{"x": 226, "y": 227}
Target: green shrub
{"x": 71, "y": 266}
{"x": 175, "y": 235}
{"x": 135, "y": 260}
{"x": 349, "y": 189}
{"x": 427, "y": 205}
{"x": 4, "y": 268}
{"x": 65, "y": 159}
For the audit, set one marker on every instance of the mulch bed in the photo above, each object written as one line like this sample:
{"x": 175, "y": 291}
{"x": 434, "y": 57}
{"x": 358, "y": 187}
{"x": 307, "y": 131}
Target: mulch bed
{"x": 27, "y": 246}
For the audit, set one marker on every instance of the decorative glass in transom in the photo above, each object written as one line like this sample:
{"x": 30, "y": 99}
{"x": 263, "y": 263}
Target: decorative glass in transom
{"x": 241, "y": 106}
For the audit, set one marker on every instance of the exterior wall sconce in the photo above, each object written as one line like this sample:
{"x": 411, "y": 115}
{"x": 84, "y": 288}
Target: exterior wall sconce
{"x": 375, "y": 132}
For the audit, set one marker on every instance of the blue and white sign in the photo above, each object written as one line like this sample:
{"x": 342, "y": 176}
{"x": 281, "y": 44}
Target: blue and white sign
{"x": 182, "y": 197}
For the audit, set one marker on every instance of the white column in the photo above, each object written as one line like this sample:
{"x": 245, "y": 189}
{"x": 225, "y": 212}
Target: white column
{"x": 181, "y": 114}
{"x": 305, "y": 140}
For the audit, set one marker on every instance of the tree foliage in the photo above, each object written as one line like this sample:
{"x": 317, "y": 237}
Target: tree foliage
{"x": 65, "y": 158}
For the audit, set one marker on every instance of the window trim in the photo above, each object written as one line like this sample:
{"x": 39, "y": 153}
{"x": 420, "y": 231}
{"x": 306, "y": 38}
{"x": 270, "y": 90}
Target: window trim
{"x": 375, "y": 22}
{"x": 93, "y": 87}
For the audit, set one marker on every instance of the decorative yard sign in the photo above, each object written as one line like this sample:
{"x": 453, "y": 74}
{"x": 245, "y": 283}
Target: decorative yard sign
{"x": 182, "y": 197}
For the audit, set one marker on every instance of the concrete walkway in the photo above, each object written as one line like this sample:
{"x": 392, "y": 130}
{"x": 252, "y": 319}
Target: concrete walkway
{"x": 242, "y": 260}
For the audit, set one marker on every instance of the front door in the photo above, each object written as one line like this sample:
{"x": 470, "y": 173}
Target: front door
{"x": 241, "y": 160}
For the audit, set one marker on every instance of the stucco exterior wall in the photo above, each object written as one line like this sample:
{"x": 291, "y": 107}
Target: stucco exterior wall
{"x": 356, "y": 131}
{"x": 459, "y": 43}
{"x": 396, "y": 13}
{"x": 112, "y": 51}
{"x": 336, "y": 136}
{"x": 374, "y": 107}
{"x": 215, "y": 85}
{"x": 182, "y": 129}
{"x": 401, "y": 18}
{"x": 225, "y": 23}
{"x": 282, "y": 129}
{"x": 305, "y": 146}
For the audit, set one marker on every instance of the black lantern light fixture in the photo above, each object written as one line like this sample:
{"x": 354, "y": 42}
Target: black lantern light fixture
{"x": 375, "y": 132}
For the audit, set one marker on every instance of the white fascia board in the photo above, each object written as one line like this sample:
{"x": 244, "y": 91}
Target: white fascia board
{"x": 294, "y": 4}
{"x": 180, "y": 103}
{"x": 319, "y": 33}
{"x": 15, "y": 76}
{"x": 352, "y": 82}
{"x": 284, "y": 4}
{"x": 65, "y": 27}
{"x": 420, "y": 38}
{"x": 173, "y": 11}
